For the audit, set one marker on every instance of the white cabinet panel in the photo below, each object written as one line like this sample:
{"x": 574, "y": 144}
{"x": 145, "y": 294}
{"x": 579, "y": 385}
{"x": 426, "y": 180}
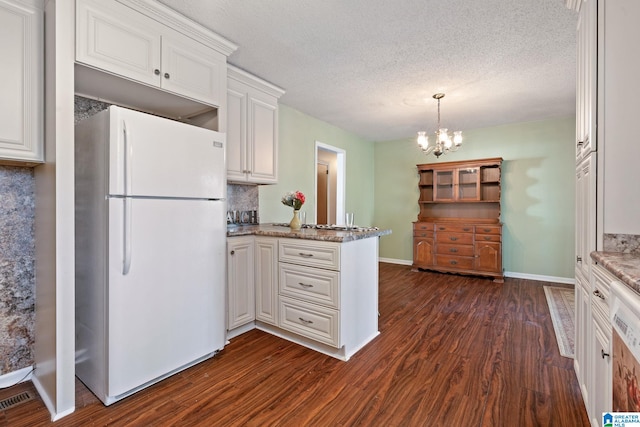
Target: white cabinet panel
{"x": 21, "y": 82}
{"x": 240, "y": 281}
{"x": 266, "y": 267}
{"x": 112, "y": 37}
{"x": 252, "y": 127}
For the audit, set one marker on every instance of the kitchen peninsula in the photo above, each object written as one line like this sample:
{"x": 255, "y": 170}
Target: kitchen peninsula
{"x": 314, "y": 287}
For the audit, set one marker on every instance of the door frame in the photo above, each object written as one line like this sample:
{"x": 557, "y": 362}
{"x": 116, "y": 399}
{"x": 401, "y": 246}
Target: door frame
{"x": 341, "y": 157}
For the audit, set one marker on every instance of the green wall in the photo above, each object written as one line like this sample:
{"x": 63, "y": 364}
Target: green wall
{"x": 298, "y": 133}
{"x": 537, "y": 192}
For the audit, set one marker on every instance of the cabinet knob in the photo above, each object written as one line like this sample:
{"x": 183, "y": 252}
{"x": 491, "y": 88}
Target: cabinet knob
{"x": 156, "y": 72}
{"x": 232, "y": 252}
{"x": 166, "y": 75}
{"x": 603, "y": 354}
{"x": 599, "y": 294}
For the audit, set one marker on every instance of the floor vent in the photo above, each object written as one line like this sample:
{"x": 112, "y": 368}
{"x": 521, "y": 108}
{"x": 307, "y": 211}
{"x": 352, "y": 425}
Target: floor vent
{"x": 12, "y": 401}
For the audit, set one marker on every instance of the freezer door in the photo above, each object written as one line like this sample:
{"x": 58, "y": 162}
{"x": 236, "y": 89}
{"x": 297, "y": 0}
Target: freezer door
{"x": 166, "y": 287}
{"x": 158, "y": 157}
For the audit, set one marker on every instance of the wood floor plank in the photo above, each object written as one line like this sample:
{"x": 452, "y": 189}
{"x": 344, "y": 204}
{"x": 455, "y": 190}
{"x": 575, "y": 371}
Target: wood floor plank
{"x": 453, "y": 350}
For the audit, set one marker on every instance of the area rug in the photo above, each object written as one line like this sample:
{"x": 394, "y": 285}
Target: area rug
{"x": 561, "y": 303}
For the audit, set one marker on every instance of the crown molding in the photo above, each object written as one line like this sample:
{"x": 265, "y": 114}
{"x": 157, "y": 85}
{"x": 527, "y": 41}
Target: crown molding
{"x": 182, "y": 24}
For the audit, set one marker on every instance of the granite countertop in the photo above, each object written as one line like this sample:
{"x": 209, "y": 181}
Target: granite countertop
{"x": 339, "y": 236}
{"x": 625, "y": 267}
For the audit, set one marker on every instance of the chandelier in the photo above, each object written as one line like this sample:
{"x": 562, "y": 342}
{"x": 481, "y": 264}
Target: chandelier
{"x": 444, "y": 141}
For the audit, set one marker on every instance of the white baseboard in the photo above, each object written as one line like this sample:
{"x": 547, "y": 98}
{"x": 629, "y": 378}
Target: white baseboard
{"x": 541, "y": 278}
{"x": 396, "y": 261}
{"x": 46, "y": 399}
{"x": 515, "y": 275}
{"x": 15, "y": 377}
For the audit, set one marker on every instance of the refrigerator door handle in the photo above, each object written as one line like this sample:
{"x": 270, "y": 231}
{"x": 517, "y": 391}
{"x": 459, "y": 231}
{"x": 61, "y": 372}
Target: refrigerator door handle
{"x": 126, "y": 250}
{"x": 128, "y": 154}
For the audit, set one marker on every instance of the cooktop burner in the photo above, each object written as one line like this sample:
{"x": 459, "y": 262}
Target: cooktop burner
{"x": 330, "y": 227}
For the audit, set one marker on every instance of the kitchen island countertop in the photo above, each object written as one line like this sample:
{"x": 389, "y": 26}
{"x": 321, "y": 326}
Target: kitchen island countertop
{"x": 326, "y": 235}
{"x": 624, "y": 266}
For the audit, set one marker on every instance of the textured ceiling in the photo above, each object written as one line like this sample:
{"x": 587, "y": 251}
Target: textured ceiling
{"x": 371, "y": 66}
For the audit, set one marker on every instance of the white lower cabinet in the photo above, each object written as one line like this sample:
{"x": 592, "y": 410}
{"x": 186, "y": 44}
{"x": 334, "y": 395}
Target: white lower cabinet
{"x": 240, "y": 281}
{"x": 601, "y": 386}
{"x": 266, "y": 277}
{"x": 581, "y": 362}
{"x": 322, "y": 295}
{"x": 328, "y": 294}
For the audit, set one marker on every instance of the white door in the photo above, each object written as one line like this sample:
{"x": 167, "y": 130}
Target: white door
{"x": 153, "y": 156}
{"x": 166, "y": 287}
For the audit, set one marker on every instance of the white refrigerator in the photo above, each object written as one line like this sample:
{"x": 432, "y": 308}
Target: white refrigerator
{"x": 150, "y": 249}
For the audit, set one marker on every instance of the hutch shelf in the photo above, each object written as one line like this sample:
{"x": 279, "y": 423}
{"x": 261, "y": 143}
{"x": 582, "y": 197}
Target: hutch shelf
{"x": 458, "y": 228}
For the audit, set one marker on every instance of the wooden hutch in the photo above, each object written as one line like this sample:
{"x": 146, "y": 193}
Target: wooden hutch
{"x": 458, "y": 228}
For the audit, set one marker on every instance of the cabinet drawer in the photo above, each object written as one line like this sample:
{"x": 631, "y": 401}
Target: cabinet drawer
{"x": 488, "y": 229}
{"x": 457, "y": 238}
{"x": 310, "y": 320}
{"x": 448, "y": 261}
{"x": 421, "y": 233}
{"x": 422, "y": 226}
{"x": 310, "y": 284}
{"x": 488, "y": 238}
{"x": 454, "y": 228}
{"x": 457, "y": 250}
{"x": 311, "y": 253}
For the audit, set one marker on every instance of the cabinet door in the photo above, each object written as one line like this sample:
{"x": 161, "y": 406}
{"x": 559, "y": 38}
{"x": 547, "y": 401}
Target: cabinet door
{"x": 583, "y": 350}
{"x": 192, "y": 69}
{"x": 602, "y": 387}
{"x": 115, "y": 38}
{"x": 468, "y": 184}
{"x": 423, "y": 252}
{"x": 586, "y": 91}
{"x": 585, "y": 213}
{"x": 21, "y": 83}
{"x": 262, "y": 150}
{"x": 266, "y": 253}
{"x": 240, "y": 281}
{"x": 444, "y": 185}
{"x": 488, "y": 256}
{"x": 236, "y": 134}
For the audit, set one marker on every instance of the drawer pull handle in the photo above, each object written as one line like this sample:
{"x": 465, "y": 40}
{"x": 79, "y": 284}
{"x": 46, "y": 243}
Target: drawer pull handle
{"x": 486, "y": 230}
{"x": 302, "y": 254}
{"x": 453, "y": 250}
{"x": 487, "y": 238}
{"x": 453, "y": 262}
{"x": 443, "y": 228}
{"x": 453, "y": 238}
{"x": 466, "y": 229}
{"x": 308, "y": 322}
{"x": 305, "y": 285}
{"x": 599, "y": 294}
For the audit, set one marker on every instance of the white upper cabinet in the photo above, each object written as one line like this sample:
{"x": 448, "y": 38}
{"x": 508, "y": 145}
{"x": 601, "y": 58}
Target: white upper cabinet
{"x": 21, "y": 82}
{"x": 252, "y": 128}
{"x": 116, "y": 38}
{"x": 586, "y": 79}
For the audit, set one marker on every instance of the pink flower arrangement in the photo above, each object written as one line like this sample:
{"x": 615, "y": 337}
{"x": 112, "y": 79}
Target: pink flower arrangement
{"x": 295, "y": 199}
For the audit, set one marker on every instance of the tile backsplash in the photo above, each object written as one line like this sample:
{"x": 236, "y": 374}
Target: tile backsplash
{"x": 626, "y": 243}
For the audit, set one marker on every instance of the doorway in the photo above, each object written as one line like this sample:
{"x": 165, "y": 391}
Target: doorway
{"x": 330, "y": 184}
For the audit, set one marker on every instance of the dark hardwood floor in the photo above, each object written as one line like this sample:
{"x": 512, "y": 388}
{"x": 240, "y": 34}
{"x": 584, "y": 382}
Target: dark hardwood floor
{"x": 453, "y": 351}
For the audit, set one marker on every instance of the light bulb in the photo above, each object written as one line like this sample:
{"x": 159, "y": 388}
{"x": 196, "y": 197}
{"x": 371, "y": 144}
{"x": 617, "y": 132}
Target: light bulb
{"x": 423, "y": 139}
{"x": 457, "y": 138}
{"x": 443, "y": 136}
